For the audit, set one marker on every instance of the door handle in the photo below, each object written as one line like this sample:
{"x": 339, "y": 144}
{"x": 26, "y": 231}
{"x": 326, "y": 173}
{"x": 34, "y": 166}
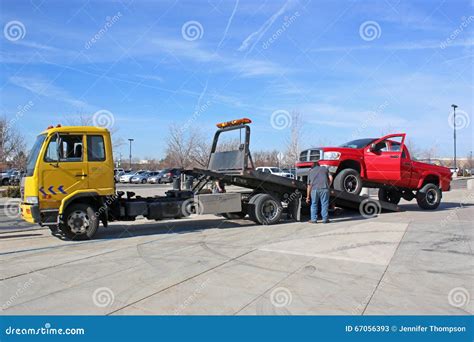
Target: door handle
{"x": 407, "y": 164}
{"x": 395, "y": 157}
{"x": 81, "y": 175}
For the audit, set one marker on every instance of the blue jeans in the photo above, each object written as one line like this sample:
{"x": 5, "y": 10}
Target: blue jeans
{"x": 318, "y": 195}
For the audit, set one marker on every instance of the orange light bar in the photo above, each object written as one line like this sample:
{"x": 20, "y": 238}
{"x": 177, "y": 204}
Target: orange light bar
{"x": 234, "y": 123}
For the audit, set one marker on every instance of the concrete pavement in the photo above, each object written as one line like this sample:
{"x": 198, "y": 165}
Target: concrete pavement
{"x": 413, "y": 262}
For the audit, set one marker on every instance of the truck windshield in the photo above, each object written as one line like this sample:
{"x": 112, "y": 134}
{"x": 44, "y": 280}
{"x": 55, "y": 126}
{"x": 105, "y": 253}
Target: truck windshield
{"x": 359, "y": 143}
{"x": 33, "y": 157}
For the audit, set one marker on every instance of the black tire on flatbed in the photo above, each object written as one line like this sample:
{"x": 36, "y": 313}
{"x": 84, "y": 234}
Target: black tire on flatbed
{"x": 348, "y": 180}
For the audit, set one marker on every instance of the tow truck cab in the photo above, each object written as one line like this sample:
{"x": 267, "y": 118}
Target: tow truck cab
{"x": 65, "y": 165}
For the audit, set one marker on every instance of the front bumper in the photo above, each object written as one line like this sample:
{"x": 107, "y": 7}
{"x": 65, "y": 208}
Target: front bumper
{"x": 30, "y": 213}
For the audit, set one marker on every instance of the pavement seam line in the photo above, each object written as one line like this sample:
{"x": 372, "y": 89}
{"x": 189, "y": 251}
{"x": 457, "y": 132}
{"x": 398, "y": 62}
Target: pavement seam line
{"x": 385, "y": 271}
{"x": 181, "y": 282}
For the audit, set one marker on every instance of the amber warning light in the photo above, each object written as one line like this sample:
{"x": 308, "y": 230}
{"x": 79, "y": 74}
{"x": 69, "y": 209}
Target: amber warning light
{"x": 234, "y": 123}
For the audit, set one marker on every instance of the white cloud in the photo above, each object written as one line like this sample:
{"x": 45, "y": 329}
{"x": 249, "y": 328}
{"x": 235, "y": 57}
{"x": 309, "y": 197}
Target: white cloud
{"x": 255, "y": 36}
{"x": 45, "y": 88}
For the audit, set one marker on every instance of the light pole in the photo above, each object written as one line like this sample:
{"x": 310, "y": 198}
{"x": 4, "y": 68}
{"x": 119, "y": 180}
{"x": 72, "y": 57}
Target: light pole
{"x": 454, "y": 135}
{"x": 130, "y": 154}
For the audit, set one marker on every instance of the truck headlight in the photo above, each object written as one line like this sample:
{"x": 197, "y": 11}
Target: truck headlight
{"x": 31, "y": 199}
{"x": 331, "y": 155}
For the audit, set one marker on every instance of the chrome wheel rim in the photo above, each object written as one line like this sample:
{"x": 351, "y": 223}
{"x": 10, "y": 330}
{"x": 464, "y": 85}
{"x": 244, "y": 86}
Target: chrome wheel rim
{"x": 350, "y": 183}
{"x": 431, "y": 196}
{"x": 269, "y": 210}
{"x": 78, "y": 222}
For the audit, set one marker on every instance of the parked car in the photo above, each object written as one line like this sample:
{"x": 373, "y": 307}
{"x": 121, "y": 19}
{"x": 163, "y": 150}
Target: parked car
{"x": 6, "y": 176}
{"x": 382, "y": 163}
{"x": 117, "y": 175}
{"x": 126, "y": 178}
{"x": 274, "y": 171}
{"x": 142, "y": 177}
{"x": 152, "y": 174}
{"x": 167, "y": 175}
{"x": 291, "y": 171}
{"x": 16, "y": 176}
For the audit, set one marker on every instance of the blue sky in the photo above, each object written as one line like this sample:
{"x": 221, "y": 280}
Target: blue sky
{"x": 351, "y": 68}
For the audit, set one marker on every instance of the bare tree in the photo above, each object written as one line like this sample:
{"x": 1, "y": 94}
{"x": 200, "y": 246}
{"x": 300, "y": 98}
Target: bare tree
{"x": 181, "y": 146}
{"x": 12, "y": 145}
{"x": 412, "y": 148}
{"x": 294, "y": 141}
{"x": 82, "y": 119}
{"x": 265, "y": 158}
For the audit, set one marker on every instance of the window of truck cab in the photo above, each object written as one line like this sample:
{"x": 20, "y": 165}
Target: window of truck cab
{"x": 70, "y": 148}
{"x": 95, "y": 148}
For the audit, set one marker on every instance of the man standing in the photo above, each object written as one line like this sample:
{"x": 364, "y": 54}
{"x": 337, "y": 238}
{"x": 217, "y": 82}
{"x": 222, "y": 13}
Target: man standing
{"x": 319, "y": 181}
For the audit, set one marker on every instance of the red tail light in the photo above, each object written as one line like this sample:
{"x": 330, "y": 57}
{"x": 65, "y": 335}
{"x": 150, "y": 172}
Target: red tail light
{"x": 170, "y": 174}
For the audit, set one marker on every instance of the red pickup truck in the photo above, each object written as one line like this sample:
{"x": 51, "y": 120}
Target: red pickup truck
{"x": 383, "y": 163}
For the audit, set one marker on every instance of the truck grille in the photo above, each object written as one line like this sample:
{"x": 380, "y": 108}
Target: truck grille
{"x": 310, "y": 155}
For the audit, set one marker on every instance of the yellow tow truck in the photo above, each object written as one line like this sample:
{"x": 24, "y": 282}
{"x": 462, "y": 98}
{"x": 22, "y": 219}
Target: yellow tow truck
{"x": 69, "y": 185}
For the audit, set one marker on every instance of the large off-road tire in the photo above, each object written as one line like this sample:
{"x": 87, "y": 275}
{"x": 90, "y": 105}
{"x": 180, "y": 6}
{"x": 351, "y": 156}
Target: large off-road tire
{"x": 5, "y": 181}
{"x": 267, "y": 209}
{"x": 348, "y": 180}
{"x": 390, "y": 195}
{"x": 429, "y": 196}
{"x": 80, "y": 222}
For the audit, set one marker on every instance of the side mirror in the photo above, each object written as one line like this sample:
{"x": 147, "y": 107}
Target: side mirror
{"x": 372, "y": 147}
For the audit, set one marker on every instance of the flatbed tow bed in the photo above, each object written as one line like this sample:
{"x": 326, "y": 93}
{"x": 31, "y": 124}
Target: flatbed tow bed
{"x": 283, "y": 194}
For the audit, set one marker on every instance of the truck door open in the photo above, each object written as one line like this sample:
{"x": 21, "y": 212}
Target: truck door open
{"x": 383, "y": 159}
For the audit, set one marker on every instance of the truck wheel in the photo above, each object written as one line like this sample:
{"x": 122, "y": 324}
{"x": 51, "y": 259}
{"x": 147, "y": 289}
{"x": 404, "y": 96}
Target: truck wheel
{"x": 348, "y": 180}
{"x": 234, "y": 216}
{"x": 390, "y": 195}
{"x": 80, "y": 222}
{"x": 5, "y": 181}
{"x": 429, "y": 197}
{"x": 267, "y": 209}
